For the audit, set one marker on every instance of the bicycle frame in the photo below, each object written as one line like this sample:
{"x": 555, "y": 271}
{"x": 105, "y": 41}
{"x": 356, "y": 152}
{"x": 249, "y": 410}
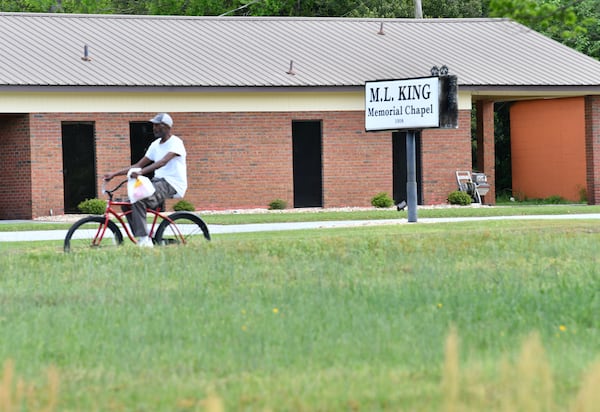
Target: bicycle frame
{"x": 121, "y": 217}
{"x": 91, "y": 230}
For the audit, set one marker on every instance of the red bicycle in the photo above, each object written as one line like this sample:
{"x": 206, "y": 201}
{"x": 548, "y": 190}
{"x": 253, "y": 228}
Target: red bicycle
{"x": 103, "y": 231}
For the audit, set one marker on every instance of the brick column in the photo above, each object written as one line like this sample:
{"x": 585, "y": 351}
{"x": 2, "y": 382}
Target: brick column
{"x": 592, "y": 148}
{"x": 15, "y": 167}
{"x": 486, "y": 155}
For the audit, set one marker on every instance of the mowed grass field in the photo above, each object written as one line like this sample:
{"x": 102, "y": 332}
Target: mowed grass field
{"x": 480, "y": 316}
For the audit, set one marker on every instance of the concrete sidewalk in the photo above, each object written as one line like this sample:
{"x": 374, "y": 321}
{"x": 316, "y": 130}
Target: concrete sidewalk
{"x": 213, "y": 229}
{"x": 32, "y": 235}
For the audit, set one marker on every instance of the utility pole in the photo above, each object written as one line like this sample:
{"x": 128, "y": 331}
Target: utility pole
{"x": 418, "y": 9}
{"x": 56, "y": 8}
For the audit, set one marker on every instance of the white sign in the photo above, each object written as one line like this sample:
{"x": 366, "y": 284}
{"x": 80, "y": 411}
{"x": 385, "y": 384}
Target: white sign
{"x": 402, "y": 104}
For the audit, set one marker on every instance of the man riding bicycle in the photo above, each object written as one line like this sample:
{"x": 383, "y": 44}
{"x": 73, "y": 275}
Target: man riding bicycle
{"x": 166, "y": 157}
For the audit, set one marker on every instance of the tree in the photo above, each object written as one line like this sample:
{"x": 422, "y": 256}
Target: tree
{"x": 431, "y": 8}
{"x": 575, "y": 23}
{"x": 588, "y": 16}
{"x": 453, "y": 9}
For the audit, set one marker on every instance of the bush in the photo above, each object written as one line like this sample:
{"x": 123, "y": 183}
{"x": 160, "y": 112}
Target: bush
{"x": 555, "y": 200}
{"x": 459, "y": 198}
{"x": 382, "y": 200}
{"x": 277, "y": 204}
{"x": 92, "y": 206}
{"x": 184, "y": 206}
{"x": 583, "y": 195}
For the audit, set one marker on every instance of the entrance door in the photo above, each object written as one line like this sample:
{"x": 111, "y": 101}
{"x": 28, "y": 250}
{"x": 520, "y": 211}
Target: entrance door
{"x": 308, "y": 181}
{"x": 140, "y": 138}
{"x": 79, "y": 164}
{"x": 399, "y": 166}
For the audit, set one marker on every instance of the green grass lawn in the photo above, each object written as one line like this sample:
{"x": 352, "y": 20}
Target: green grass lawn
{"x": 494, "y": 316}
{"x": 297, "y": 215}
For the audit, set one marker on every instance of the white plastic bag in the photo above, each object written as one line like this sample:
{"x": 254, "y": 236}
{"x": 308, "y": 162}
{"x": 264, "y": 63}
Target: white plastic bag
{"x": 139, "y": 188}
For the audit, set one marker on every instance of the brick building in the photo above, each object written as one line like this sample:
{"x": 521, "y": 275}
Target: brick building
{"x": 267, "y": 107}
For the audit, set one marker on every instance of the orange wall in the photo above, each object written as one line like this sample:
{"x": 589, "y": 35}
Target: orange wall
{"x": 548, "y": 148}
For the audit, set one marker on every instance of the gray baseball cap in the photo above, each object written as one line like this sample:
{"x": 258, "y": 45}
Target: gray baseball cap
{"x": 162, "y": 118}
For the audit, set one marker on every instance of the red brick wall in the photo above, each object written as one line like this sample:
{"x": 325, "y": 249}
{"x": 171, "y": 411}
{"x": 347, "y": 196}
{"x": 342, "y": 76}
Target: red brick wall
{"x": 15, "y": 167}
{"x": 46, "y": 164}
{"x": 592, "y": 146}
{"x": 236, "y": 160}
{"x": 486, "y": 151}
{"x": 356, "y": 165}
{"x": 112, "y": 152}
{"x": 444, "y": 151}
{"x": 244, "y": 160}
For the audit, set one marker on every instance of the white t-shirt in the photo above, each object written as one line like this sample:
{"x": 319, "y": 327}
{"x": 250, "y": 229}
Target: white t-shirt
{"x": 175, "y": 171}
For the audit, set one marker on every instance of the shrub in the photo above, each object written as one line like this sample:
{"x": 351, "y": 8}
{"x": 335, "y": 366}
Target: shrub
{"x": 382, "y": 199}
{"x": 184, "y": 205}
{"x": 92, "y": 206}
{"x": 278, "y": 204}
{"x": 459, "y": 198}
{"x": 555, "y": 200}
{"x": 583, "y": 194}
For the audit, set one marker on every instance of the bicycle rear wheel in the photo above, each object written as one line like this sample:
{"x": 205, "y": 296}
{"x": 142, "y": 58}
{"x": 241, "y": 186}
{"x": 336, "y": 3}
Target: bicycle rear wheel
{"x": 184, "y": 228}
{"x": 92, "y": 231}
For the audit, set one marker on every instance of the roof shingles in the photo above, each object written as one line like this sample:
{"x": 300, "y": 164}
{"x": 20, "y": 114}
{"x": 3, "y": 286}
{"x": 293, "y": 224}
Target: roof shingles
{"x": 46, "y": 50}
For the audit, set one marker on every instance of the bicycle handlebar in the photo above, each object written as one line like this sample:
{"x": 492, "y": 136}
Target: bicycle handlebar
{"x": 110, "y": 192}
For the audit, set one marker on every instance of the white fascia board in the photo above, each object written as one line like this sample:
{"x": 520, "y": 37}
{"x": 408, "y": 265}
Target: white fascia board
{"x": 39, "y": 100}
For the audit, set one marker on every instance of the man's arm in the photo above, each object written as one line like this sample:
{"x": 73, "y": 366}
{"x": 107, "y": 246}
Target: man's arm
{"x": 143, "y": 162}
{"x": 146, "y": 169}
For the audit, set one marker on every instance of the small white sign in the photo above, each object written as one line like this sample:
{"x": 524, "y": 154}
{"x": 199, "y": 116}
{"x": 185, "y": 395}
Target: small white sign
{"x": 402, "y": 104}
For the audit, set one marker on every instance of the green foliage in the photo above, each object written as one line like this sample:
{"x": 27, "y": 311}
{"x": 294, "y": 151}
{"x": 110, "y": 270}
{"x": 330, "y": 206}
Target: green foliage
{"x": 92, "y": 206}
{"x": 576, "y": 24}
{"x": 278, "y": 204}
{"x": 64, "y": 6}
{"x": 184, "y": 205}
{"x": 555, "y": 200}
{"x": 459, "y": 198}
{"x": 540, "y": 15}
{"x": 583, "y": 197}
{"x": 524, "y": 200}
{"x": 503, "y": 153}
{"x": 382, "y": 200}
{"x": 312, "y": 8}
{"x": 406, "y": 8}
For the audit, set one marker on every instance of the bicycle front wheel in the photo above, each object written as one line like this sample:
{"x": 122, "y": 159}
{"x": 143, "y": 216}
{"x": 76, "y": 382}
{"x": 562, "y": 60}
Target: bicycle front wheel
{"x": 183, "y": 228}
{"x": 92, "y": 232}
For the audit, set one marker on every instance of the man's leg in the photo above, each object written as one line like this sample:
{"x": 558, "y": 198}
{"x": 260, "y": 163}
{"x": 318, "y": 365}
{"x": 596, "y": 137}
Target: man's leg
{"x": 137, "y": 221}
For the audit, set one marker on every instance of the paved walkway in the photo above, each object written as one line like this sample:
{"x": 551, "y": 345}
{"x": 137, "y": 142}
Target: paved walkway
{"x": 263, "y": 227}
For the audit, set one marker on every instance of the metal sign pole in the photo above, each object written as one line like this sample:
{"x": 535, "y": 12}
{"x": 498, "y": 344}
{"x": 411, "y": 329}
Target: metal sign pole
{"x": 411, "y": 176}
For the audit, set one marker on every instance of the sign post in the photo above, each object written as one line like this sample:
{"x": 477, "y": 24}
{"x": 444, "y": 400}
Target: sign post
{"x": 411, "y": 176}
{"x": 412, "y": 105}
